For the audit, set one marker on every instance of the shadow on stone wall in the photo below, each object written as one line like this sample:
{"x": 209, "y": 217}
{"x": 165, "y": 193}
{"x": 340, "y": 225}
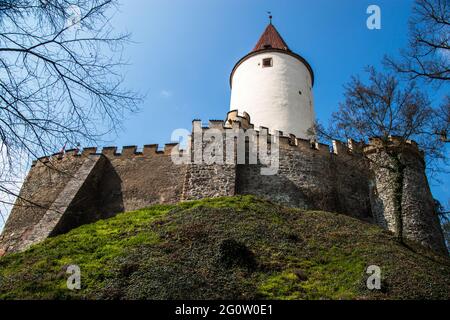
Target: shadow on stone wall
{"x": 99, "y": 198}
{"x": 110, "y": 192}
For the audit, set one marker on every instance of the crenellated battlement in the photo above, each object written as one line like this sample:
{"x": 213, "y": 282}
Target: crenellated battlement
{"x": 236, "y": 121}
{"x": 378, "y": 144}
{"x": 110, "y": 152}
{"x": 234, "y": 117}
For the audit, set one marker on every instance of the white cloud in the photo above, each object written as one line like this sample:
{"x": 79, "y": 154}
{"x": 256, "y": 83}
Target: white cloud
{"x": 166, "y": 93}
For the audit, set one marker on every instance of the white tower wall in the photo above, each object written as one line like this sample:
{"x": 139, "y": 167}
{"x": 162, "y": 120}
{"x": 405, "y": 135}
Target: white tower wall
{"x": 277, "y": 97}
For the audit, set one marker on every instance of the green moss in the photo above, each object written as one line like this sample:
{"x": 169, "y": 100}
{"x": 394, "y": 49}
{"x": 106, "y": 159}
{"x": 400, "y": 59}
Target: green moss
{"x": 282, "y": 286}
{"x": 92, "y": 247}
{"x": 240, "y": 203}
{"x": 177, "y": 252}
{"x": 331, "y": 275}
{"x": 334, "y": 278}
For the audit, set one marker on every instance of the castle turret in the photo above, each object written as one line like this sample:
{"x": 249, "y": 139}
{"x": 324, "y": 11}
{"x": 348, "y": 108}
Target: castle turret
{"x": 274, "y": 85}
{"x": 418, "y": 220}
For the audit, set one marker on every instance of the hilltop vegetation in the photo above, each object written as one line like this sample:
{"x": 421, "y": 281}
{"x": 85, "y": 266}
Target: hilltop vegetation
{"x": 225, "y": 248}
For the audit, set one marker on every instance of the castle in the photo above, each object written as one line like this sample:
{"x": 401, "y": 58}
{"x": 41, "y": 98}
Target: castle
{"x": 272, "y": 99}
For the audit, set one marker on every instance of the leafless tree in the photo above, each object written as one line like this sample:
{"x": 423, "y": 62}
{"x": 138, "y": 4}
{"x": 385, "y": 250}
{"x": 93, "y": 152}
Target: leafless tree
{"x": 428, "y": 53}
{"x": 60, "y": 79}
{"x": 427, "y": 56}
{"x": 383, "y": 107}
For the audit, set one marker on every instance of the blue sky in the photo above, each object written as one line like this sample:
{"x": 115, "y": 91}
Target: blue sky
{"x": 184, "y": 52}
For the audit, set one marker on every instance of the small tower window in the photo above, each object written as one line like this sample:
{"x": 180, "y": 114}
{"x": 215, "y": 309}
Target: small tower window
{"x": 267, "y": 62}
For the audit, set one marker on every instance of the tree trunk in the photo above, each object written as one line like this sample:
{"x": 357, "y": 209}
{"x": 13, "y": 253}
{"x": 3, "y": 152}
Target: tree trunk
{"x": 399, "y": 171}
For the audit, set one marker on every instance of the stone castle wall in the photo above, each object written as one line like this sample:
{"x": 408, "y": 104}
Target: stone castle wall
{"x": 69, "y": 190}
{"x": 310, "y": 176}
{"x": 66, "y": 191}
{"x": 140, "y": 179}
{"x": 418, "y": 213}
{"x": 40, "y": 189}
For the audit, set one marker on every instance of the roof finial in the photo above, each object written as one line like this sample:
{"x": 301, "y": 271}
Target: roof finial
{"x": 270, "y": 16}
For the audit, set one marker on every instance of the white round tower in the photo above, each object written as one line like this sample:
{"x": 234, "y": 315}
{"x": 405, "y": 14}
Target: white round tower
{"x": 274, "y": 86}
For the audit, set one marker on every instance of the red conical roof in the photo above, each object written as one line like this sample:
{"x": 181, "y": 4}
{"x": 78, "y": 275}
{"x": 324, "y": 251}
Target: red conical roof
{"x": 271, "y": 39}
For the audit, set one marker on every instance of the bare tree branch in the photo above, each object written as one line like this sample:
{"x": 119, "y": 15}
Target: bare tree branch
{"x": 428, "y": 54}
{"x": 60, "y": 79}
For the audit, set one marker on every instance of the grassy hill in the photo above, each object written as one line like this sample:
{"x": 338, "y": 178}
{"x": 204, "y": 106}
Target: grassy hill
{"x": 226, "y": 248}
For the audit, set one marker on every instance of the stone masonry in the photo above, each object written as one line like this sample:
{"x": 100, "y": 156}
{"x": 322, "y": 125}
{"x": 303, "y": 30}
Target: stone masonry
{"x": 68, "y": 190}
